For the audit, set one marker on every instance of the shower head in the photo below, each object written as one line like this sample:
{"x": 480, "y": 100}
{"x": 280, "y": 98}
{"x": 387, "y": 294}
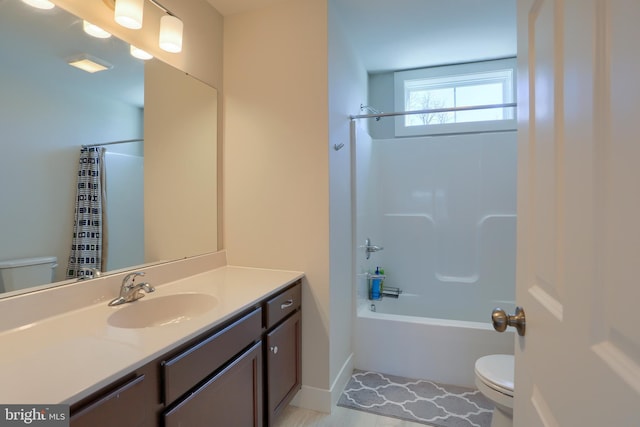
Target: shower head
{"x": 370, "y": 110}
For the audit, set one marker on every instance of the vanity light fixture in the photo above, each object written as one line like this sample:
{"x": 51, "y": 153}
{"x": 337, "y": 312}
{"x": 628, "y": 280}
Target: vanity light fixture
{"x": 40, "y": 4}
{"x": 94, "y": 30}
{"x": 170, "y": 34}
{"x": 128, "y": 13}
{"x": 139, "y": 53}
{"x": 89, "y": 63}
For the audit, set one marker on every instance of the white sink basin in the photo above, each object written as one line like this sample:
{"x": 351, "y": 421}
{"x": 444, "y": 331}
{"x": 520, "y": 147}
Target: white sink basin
{"x": 163, "y": 310}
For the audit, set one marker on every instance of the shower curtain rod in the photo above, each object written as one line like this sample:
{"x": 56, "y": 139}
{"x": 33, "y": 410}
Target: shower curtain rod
{"x": 433, "y": 110}
{"x": 112, "y": 143}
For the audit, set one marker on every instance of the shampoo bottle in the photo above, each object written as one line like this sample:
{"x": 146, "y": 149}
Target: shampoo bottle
{"x": 376, "y": 283}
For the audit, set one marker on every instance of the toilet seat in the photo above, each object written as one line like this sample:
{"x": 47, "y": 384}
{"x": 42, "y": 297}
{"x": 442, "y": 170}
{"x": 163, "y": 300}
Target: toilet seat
{"x": 497, "y": 371}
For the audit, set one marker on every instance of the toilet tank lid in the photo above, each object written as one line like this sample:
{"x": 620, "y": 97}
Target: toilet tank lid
{"x": 22, "y": 262}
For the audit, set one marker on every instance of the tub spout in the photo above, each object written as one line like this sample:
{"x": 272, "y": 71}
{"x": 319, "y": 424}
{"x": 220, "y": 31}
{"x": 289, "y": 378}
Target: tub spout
{"x": 389, "y": 291}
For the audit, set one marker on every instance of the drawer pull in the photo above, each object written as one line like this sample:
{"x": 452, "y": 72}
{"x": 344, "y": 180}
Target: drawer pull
{"x": 288, "y": 303}
{"x": 274, "y": 349}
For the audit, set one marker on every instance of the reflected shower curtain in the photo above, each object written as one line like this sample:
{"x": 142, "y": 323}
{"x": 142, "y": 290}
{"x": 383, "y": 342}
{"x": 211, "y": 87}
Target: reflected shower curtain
{"x": 88, "y": 247}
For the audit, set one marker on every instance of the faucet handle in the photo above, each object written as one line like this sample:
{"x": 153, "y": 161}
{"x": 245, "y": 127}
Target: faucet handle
{"x": 132, "y": 277}
{"x": 146, "y": 287}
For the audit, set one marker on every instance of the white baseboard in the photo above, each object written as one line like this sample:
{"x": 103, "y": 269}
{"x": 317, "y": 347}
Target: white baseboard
{"x": 323, "y": 400}
{"x": 342, "y": 379}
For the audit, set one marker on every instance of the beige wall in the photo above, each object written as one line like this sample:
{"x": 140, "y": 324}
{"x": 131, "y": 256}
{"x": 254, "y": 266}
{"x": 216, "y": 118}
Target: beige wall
{"x": 201, "y": 55}
{"x": 276, "y": 183}
{"x": 180, "y": 190}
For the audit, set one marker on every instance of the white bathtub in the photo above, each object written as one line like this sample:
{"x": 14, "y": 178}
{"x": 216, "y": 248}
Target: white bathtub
{"x": 434, "y": 349}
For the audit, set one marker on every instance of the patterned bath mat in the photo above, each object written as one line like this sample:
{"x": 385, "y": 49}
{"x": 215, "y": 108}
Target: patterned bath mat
{"x": 419, "y": 401}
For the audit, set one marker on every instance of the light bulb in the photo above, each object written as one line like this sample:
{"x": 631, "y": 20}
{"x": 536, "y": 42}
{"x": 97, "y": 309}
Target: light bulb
{"x": 139, "y": 53}
{"x": 40, "y": 4}
{"x": 94, "y": 30}
{"x": 171, "y": 34}
{"x": 128, "y": 13}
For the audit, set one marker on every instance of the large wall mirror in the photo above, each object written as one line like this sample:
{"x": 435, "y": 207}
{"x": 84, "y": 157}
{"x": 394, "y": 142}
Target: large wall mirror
{"x": 161, "y": 188}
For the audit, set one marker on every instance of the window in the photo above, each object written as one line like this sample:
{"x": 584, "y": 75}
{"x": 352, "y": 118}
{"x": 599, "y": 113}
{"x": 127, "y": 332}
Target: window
{"x": 465, "y": 85}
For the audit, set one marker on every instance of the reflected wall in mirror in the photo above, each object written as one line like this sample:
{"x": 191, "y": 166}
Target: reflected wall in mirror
{"x": 49, "y": 109}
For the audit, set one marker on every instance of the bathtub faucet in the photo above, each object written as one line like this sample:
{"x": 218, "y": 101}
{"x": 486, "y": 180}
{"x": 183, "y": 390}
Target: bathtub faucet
{"x": 369, "y": 248}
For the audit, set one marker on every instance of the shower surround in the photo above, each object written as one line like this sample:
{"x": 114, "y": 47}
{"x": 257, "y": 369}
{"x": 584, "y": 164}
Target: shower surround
{"x": 443, "y": 208}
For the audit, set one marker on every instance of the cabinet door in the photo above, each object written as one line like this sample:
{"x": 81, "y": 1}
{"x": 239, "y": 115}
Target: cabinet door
{"x": 233, "y": 397}
{"x": 283, "y": 365}
{"x": 127, "y": 405}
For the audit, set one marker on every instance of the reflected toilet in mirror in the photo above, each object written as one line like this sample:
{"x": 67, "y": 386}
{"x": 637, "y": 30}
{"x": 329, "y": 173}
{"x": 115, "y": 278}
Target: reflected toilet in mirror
{"x": 19, "y": 274}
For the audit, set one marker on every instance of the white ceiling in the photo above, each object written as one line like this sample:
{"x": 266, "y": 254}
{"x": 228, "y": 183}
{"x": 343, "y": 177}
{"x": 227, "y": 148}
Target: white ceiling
{"x": 403, "y": 34}
{"x": 230, "y": 7}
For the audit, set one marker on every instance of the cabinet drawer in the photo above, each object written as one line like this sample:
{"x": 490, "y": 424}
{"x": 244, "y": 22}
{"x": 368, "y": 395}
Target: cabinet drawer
{"x": 191, "y": 366}
{"x": 119, "y": 406}
{"x": 233, "y": 397}
{"x": 280, "y": 306}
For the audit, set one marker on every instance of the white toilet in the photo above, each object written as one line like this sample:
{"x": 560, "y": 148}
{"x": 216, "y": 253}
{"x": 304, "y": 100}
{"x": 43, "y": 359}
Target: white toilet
{"x": 17, "y": 274}
{"x": 494, "y": 379}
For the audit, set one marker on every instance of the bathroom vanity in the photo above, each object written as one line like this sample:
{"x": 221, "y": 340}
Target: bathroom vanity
{"x": 236, "y": 362}
{"x": 241, "y": 372}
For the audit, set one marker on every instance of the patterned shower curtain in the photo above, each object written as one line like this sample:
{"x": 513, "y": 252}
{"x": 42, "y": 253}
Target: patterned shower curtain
{"x": 88, "y": 247}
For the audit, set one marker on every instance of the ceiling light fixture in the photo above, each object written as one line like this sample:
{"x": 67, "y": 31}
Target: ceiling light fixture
{"x": 128, "y": 13}
{"x": 139, "y": 53}
{"x": 40, "y": 4}
{"x": 89, "y": 63}
{"x": 94, "y": 30}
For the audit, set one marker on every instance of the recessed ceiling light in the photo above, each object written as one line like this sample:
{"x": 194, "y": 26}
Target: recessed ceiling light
{"x": 89, "y": 63}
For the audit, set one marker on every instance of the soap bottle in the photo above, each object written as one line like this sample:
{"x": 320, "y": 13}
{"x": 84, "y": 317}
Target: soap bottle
{"x": 376, "y": 282}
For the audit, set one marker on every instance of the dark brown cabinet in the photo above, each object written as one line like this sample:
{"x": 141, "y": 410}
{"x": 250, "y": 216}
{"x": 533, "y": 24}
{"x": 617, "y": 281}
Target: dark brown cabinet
{"x": 184, "y": 370}
{"x": 232, "y": 397}
{"x": 283, "y": 365}
{"x": 240, "y": 373}
{"x": 130, "y": 402}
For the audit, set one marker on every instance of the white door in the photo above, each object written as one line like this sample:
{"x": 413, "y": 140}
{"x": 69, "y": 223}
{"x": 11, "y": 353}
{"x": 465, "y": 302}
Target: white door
{"x": 578, "y": 264}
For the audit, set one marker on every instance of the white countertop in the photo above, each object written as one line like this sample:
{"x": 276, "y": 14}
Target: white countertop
{"x": 63, "y": 358}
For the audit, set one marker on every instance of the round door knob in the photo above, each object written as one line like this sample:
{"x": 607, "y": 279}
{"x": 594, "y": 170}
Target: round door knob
{"x": 274, "y": 349}
{"x": 501, "y": 320}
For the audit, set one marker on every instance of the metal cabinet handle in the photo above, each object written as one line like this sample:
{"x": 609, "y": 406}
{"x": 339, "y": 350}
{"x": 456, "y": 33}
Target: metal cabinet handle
{"x": 274, "y": 349}
{"x": 501, "y": 320}
{"x": 288, "y": 303}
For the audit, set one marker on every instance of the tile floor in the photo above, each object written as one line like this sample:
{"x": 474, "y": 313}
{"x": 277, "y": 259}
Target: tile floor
{"x": 293, "y": 416}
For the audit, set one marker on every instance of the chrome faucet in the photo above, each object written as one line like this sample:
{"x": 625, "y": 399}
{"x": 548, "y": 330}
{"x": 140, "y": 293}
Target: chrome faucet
{"x": 131, "y": 291}
{"x": 90, "y": 273}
